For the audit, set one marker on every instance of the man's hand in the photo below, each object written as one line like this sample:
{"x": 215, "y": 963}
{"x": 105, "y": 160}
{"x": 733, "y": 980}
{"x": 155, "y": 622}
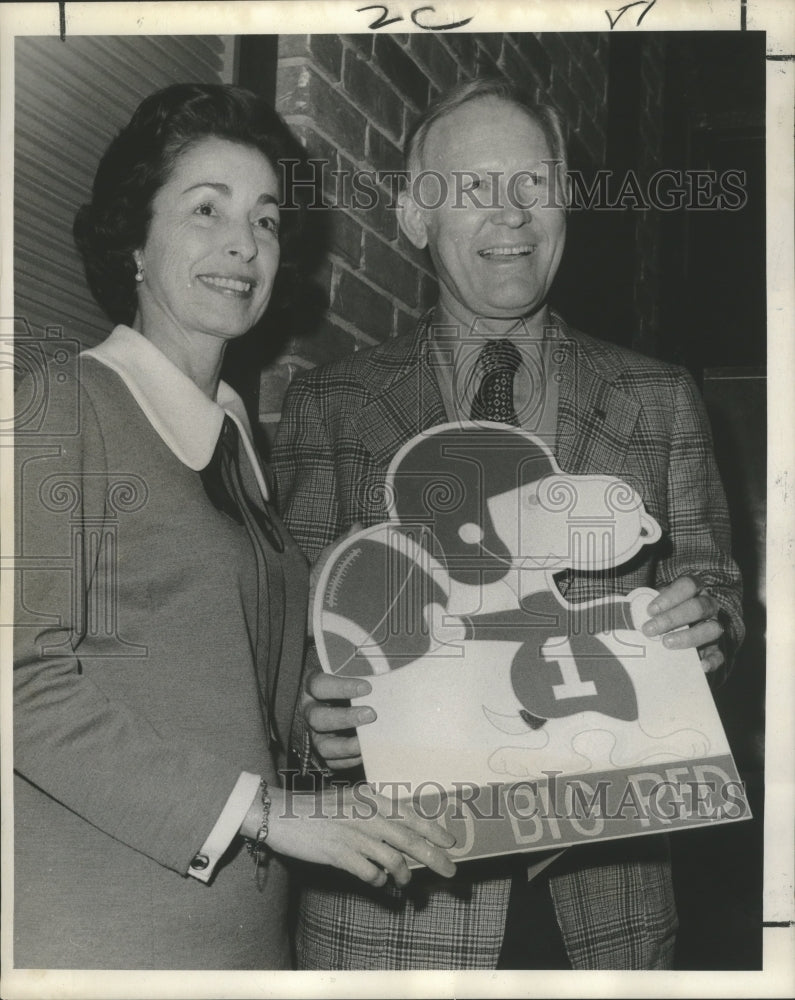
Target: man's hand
{"x": 331, "y": 719}
{"x": 686, "y": 606}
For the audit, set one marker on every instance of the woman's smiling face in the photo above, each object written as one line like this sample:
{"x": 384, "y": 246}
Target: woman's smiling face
{"x": 212, "y": 249}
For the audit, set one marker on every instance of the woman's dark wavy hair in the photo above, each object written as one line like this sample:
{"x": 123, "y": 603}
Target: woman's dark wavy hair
{"x": 139, "y": 161}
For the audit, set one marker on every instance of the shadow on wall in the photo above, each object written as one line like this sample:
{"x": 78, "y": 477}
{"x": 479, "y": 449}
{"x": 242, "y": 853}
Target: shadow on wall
{"x": 593, "y": 289}
{"x": 718, "y": 873}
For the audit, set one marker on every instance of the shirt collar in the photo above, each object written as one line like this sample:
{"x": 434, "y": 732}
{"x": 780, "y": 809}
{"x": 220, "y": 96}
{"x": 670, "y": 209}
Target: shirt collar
{"x": 450, "y": 333}
{"x": 187, "y": 420}
{"x": 455, "y": 363}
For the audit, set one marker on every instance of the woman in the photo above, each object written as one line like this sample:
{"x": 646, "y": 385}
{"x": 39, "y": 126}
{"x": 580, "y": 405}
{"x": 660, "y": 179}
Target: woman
{"x": 159, "y": 651}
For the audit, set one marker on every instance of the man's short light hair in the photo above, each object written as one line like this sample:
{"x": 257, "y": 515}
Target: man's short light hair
{"x": 545, "y": 116}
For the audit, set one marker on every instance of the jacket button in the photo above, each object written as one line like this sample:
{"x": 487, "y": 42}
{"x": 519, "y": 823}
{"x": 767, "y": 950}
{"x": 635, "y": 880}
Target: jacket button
{"x": 200, "y": 862}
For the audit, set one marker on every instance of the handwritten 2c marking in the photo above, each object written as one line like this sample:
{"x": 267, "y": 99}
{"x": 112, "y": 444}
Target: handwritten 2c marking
{"x": 384, "y": 18}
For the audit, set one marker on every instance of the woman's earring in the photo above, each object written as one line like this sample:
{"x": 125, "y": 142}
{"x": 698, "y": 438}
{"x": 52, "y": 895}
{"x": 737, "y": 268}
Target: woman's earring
{"x": 139, "y": 274}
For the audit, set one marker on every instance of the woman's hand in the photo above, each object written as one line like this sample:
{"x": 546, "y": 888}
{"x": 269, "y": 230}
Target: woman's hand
{"x": 355, "y": 829}
{"x": 317, "y": 568}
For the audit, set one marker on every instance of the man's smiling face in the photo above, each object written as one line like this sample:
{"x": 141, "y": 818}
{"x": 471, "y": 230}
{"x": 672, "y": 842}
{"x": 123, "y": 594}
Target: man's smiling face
{"x": 497, "y": 251}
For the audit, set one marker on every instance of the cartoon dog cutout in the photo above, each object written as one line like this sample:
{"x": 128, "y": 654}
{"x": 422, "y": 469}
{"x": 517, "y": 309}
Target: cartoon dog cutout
{"x": 455, "y": 600}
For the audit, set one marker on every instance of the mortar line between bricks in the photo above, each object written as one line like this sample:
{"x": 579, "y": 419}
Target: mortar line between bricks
{"x": 308, "y": 63}
{"x": 358, "y": 219}
{"x": 379, "y": 73}
{"x": 336, "y": 86}
{"x": 297, "y": 118}
{"x": 405, "y": 96}
{"x": 376, "y": 68}
{"x": 426, "y": 68}
{"x": 396, "y": 248}
{"x": 360, "y": 337}
{"x": 352, "y": 214}
{"x": 389, "y": 138}
{"x": 384, "y": 292}
{"x": 454, "y": 56}
{"x": 293, "y": 359}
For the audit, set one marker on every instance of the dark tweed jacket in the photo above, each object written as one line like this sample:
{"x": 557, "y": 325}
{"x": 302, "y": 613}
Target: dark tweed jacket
{"x": 618, "y": 413}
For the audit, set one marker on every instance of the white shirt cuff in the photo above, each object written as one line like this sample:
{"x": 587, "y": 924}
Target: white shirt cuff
{"x": 226, "y": 827}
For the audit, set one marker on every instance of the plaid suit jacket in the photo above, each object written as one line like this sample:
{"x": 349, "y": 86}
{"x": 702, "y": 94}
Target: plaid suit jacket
{"x": 618, "y": 413}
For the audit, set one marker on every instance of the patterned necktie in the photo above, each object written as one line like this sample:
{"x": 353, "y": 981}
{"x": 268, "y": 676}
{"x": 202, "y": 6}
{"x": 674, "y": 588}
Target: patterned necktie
{"x": 223, "y": 483}
{"x": 499, "y": 362}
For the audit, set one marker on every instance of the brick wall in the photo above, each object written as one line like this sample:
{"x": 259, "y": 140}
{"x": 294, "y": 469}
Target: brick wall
{"x": 350, "y": 99}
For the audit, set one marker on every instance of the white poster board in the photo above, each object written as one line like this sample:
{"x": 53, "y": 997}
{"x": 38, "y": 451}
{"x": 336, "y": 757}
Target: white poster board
{"x": 524, "y": 721}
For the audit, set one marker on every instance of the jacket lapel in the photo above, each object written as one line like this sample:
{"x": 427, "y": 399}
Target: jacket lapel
{"x": 595, "y": 424}
{"x": 406, "y": 400}
{"x": 596, "y": 420}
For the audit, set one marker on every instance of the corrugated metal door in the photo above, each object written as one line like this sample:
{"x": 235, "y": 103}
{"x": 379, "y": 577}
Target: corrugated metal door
{"x": 71, "y": 99}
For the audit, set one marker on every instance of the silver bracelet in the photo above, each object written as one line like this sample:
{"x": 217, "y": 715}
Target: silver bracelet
{"x": 257, "y": 847}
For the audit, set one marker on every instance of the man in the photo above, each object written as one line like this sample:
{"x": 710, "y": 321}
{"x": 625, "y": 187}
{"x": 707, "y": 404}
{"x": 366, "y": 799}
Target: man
{"x": 496, "y": 242}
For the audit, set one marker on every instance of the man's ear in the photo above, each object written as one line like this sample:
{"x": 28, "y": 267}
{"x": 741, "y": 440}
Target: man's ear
{"x": 566, "y": 188}
{"x": 411, "y": 220}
